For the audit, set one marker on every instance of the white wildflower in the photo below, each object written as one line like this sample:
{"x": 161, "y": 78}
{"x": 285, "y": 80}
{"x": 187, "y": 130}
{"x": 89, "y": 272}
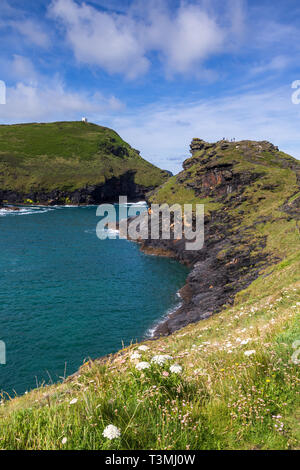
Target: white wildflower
{"x": 245, "y": 341}
{"x": 176, "y": 369}
{"x": 142, "y": 365}
{"x": 160, "y": 359}
{"x": 250, "y": 352}
{"x": 135, "y": 355}
{"x": 64, "y": 440}
{"x": 72, "y": 402}
{"x": 143, "y": 347}
{"x": 111, "y": 432}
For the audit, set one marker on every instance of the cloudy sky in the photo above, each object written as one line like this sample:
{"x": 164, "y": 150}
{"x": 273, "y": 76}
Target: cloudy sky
{"x": 159, "y": 72}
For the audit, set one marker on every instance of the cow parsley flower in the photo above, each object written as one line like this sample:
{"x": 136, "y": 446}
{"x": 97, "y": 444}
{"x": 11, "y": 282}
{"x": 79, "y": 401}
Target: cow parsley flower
{"x": 160, "y": 359}
{"x": 111, "y": 432}
{"x": 142, "y": 365}
{"x": 143, "y": 347}
{"x": 245, "y": 341}
{"x": 134, "y": 356}
{"x": 250, "y": 352}
{"x": 176, "y": 369}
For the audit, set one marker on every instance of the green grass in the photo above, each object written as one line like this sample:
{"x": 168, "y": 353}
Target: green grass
{"x": 174, "y": 193}
{"x": 68, "y": 156}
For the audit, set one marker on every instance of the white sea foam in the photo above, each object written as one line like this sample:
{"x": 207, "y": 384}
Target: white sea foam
{"x": 150, "y": 332}
{"x": 59, "y": 206}
{"x": 25, "y": 211}
{"x": 37, "y": 209}
{"x": 109, "y": 231}
{"x": 139, "y": 203}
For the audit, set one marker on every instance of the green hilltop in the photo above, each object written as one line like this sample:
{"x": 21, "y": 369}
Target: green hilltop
{"x": 36, "y": 159}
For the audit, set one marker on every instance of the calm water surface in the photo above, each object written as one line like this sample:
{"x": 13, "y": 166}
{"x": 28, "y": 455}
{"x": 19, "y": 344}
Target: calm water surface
{"x": 65, "y": 295}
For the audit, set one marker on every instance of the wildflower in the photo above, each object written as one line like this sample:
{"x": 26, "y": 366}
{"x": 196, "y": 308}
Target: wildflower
{"x": 268, "y": 380}
{"x": 176, "y": 369}
{"x": 64, "y": 440}
{"x": 111, "y": 432}
{"x": 250, "y": 352}
{"x": 160, "y": 359}
{"x": 72, "y": 402}
{"x": 143, "y": 347}
{"x": 134, "y": 356}
{"x": 165, "y": 373}
{"x": 142, "y": 365}
{"x": 245, "y": 341}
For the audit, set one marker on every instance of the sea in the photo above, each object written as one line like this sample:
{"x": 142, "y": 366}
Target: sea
{"x": 66, "y": 296}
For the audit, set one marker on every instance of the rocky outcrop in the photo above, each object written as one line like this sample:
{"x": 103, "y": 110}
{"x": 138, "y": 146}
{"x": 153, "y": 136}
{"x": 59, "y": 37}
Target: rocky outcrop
{"x": 92, "y": 194}
{"x": 234, "y": 253}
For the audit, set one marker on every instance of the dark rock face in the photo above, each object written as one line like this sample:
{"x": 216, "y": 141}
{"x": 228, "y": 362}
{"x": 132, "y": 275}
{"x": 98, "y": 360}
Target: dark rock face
{"x": 228, "y": 263}
{"x": 199, "y": 144}
{"x": 106, "y": 192}
{"x": 232, "y": 258}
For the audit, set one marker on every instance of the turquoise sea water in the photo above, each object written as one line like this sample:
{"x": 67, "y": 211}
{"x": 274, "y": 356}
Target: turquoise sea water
{"x": 66, "y": 296}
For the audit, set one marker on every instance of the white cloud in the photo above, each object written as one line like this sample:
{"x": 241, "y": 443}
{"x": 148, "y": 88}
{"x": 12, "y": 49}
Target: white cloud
{"x": 276, "y": 64}
{"x": 22, "y": 68}
{"x": 99, "y": 38}
{"x": 123, "y": 42}
{"x": 32, "y": 31}
{"x": 185, "y": 39}
{"x": 47, "y": 101}
{"x": 163, "y": 131}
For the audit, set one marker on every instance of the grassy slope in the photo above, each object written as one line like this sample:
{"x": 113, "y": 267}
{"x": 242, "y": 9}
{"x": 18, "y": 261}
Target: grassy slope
{"x": 223, "y": 399}
{"x": 66, "y": 155}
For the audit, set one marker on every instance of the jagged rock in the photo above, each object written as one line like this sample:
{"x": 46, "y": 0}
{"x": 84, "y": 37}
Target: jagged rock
{"x": 199, "y": 144}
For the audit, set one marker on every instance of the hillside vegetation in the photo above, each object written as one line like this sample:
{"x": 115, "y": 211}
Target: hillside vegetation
{"x": 237, "y": 386}
{"x": 36, "y": 159}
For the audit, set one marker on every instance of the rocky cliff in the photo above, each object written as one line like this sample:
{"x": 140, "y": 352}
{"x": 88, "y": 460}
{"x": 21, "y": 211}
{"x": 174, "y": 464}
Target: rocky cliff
{"x": 251, "y": 193}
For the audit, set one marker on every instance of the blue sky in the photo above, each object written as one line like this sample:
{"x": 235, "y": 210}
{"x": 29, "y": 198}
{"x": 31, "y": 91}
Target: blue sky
{"x": 159, "y": 72}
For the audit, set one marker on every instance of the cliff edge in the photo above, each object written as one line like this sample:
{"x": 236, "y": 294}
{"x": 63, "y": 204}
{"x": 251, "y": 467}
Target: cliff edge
{"x": 251, "y": 193}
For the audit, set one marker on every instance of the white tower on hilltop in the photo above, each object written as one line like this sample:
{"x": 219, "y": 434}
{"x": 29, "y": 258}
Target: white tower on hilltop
{"x": 84, "y": 119}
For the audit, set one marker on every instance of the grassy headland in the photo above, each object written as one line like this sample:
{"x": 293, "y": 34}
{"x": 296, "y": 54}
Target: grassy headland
{"x": 66, "y": 157}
